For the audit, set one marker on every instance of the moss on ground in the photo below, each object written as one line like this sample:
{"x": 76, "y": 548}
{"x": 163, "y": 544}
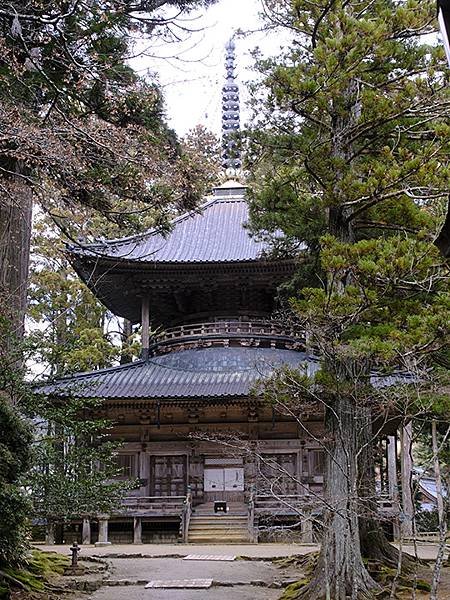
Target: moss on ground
{"x": 384, "y": 575}
{"x": 291, "y": 592}
{"x": 35, "y": 575}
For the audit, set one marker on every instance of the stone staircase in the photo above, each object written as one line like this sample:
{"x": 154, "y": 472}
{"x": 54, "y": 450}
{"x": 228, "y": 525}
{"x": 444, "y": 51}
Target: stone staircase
{"x": 206, "y": 527}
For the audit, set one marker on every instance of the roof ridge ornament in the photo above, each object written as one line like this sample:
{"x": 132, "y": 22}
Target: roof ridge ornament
{"x": 231, "y": 116}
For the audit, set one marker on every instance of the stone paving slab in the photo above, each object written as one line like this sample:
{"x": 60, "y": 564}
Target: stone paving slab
{"x": 179, "y": 584}
{"x": 253, "y": 551}
{"x": 209, "y": 557}
{"x": 247, "y": 592}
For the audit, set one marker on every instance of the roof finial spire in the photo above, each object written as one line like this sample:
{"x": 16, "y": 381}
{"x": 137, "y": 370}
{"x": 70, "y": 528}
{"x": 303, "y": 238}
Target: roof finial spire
{"x": 230, "y": 112}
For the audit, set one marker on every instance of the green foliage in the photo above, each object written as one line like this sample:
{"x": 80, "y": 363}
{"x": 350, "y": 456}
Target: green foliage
{"x": 350, "y": 160}
{"x": 74, "y": 461}
{"x": 343, "y": 163}
{"x": 88, "y": 131}
{"x": 15, "y": 454}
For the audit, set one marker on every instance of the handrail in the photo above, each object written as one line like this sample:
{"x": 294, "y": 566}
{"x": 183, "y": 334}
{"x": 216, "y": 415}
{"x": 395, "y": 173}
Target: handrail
{"x": 251, "y": 518}
{"x": 186, "y": 517}
{"x": 153, "y": 502}
{"x": 155, "y": 497}
{"x": 233, "y": 327}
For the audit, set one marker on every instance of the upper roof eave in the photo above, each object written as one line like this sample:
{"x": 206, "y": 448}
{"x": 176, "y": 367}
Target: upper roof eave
{"x": 216, "y": 233}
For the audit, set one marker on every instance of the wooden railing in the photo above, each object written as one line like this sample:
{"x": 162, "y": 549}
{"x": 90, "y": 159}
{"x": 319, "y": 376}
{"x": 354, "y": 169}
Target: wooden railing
{"x": 426, "y": 537}
{"x": 291, "y": 503}
{"x": 162, "y": 505}
{"x": 228, "y": 328}
{"x": 284, "y": 504}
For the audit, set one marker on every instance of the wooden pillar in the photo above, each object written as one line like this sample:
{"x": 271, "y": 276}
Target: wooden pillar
{"x": 392, "y": 467}
{"x": 307, "y": 529}
{"x": 407, "y": 465}
{"x": 86, "y": 531}
{"x": 145, "y": 323}
{"x": 137, "y": 530}
{"x": 103, "y": 532}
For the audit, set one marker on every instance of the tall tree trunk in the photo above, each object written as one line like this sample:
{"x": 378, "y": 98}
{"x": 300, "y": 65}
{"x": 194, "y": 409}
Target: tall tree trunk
{"x": 127, "y": 330}
{"x": 15, "y": 235}
{"x": 407, "y": 529}
{"x": 340, "y": 572}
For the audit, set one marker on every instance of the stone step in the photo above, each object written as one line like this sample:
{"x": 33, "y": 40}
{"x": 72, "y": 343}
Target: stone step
{"x": 217, "y": 537}
{"x": 206, "y": 541}
{"x": 237, "y": 520}
{"x": 219, "y": 532}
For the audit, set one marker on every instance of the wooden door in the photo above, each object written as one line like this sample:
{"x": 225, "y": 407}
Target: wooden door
{"x": 278, "y": 474}
{"x": 168, "y": 475}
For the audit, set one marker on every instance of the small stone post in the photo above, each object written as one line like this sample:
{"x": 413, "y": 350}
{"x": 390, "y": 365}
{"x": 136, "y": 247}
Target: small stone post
{"x": 74, "y": 550}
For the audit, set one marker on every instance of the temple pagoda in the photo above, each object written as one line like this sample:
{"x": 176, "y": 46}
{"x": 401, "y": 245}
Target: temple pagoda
{"x": 204, "y": 295}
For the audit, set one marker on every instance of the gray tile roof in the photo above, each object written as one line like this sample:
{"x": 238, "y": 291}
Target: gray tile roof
{"x": 214, "y": 233}
{"x": 209, "y": 372}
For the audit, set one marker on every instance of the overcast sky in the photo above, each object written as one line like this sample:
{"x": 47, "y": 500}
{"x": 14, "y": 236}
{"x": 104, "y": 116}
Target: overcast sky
{"x": 192, "y": 80}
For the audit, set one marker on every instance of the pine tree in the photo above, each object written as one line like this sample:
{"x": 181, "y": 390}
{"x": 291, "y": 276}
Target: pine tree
{"x": 352, "y": 159}
{"x": 79, "y": 127}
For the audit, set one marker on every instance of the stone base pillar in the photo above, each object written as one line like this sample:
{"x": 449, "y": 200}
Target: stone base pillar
{"x": 86, "y": 532}
{"x": 103, "y": 532}
{"x": 137, "y": 530}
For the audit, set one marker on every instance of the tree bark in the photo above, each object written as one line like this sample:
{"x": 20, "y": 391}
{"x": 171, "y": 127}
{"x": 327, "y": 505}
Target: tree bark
{"x": 441, "y": 514}
{"x": 15, "y": 235}
{"x": 340, "y": 572}
{"x": 126, "y": 334}
{"x": 407, "y": 529}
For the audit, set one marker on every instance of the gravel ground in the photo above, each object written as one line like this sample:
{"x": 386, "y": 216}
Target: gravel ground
{"x": 250, "y": 550}
{"x": 238, "y": 571}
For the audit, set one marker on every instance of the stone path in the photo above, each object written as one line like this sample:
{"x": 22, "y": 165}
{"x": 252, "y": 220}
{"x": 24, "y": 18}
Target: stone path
{"x": 425, "y": 551}
{"x": 230, "y": 580}
{"x": 131, "y": 568}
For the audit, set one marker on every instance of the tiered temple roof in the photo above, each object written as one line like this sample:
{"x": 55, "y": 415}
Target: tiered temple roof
{"x": 199, "y": 373}
{"x": 208, "y": 265}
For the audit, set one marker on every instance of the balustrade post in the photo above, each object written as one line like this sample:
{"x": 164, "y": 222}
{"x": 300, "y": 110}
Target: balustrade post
{"x": 186, "y": 517}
